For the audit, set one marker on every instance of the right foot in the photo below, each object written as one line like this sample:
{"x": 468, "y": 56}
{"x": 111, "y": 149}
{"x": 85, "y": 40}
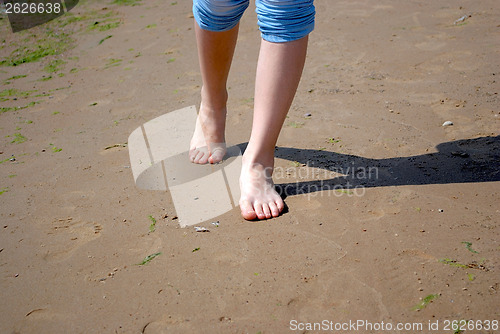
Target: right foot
{"x": 208, "y": 142}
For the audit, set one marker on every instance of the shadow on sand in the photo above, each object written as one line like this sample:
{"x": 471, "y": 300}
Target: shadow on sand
{"x": 461, "y": 161}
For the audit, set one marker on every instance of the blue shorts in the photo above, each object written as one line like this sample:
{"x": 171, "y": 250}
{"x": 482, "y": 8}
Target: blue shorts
{"x": 279, "y": 20}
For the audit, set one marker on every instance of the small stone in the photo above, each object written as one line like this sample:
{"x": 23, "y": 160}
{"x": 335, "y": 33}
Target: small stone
{"x": 440, "y": 210}
{"x": 447, "y": 123}
{"x": 307, "y": 115}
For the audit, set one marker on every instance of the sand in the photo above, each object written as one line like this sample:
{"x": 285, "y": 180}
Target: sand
{"x": 405, "y": 230}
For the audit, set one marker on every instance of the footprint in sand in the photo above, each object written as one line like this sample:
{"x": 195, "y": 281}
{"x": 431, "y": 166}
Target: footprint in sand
{"x": 68, "y": 235}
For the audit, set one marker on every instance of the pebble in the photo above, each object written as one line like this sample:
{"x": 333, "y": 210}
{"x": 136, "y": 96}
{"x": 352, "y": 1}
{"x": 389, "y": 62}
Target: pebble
{"x": 447, "y": 123}
{"x": 307, "y": 115}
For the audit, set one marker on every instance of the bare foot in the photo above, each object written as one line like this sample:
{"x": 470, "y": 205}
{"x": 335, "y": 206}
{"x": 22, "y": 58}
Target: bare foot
{"x": 259, "y": 199}
{"x": 208, "y": 142}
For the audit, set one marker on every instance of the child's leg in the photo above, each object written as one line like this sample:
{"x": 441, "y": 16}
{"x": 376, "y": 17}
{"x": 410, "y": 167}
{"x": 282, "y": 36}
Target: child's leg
{"x": 278, "y": 74}
{"x": 216, "y": 33}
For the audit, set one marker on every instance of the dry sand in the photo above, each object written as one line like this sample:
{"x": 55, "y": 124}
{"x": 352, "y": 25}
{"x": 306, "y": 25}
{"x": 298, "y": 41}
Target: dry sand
{"x": 381, "y": 78}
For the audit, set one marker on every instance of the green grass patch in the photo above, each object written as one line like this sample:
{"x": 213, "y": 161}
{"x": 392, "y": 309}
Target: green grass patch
{"x": 18, "y": 138}
{"x": 426, "y": 301}
{"x": 4, "y": 190}
{"x": 453, "y": 263}
{"x": 69, "y": 18}
{"x": 105, "y": 38}
{"x": 468, "y": 245}
{"x": 38, "y": 46}
{"x": 127, "y": 2}
{"x": 12, "y": 158}
{"x": 152, "y": 226}
{"x": 16, "y": 93}
{"x": 45, "y": 78}
{"x": 333, "y": 140}
{"x": 113, "y": 62}
{"x": 102, "y": 26}
{"x": 344, "y": 191}
{"x": 54, "y": 66}
{"x": 54, "y": 148}
{"x": 17, "y": 77}
{"x": 148, "y": 259}
{"x": 9, "y": 92}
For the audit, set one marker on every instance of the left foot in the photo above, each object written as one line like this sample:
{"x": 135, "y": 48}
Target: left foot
{"x": 259, "y": 199}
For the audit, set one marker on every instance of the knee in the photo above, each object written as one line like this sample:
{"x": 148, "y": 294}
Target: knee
{"x": 285, "y": 20}
{"x": 218, "y": 15}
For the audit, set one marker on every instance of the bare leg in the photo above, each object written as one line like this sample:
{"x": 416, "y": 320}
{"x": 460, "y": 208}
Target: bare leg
{"x": 215, "y": 53}
{"x": 278, "y": 74}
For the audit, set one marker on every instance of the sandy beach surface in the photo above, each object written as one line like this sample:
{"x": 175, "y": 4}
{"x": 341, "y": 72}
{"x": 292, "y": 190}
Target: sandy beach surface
{"x": 392, "y": 217}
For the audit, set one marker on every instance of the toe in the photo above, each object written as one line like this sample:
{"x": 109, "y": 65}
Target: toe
{"x": 247, "y": 211}
{"x": 266, "y": 211}
{"x": 216, "y": 156}
{"x": 280, "y": 204}
{"x": 258, "y": 211}
{"x": 197, "y": 155}
{"x": 204, "y": 158}
{"x": 201, "y": 157}
{"x": 274, "y": 209}
{"x": 192, "y": 154}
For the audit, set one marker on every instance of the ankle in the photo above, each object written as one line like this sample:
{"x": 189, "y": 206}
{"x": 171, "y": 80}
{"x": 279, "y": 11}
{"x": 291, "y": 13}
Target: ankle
{"x": 214, "y": 101}
{"x": 260, "y": 161}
